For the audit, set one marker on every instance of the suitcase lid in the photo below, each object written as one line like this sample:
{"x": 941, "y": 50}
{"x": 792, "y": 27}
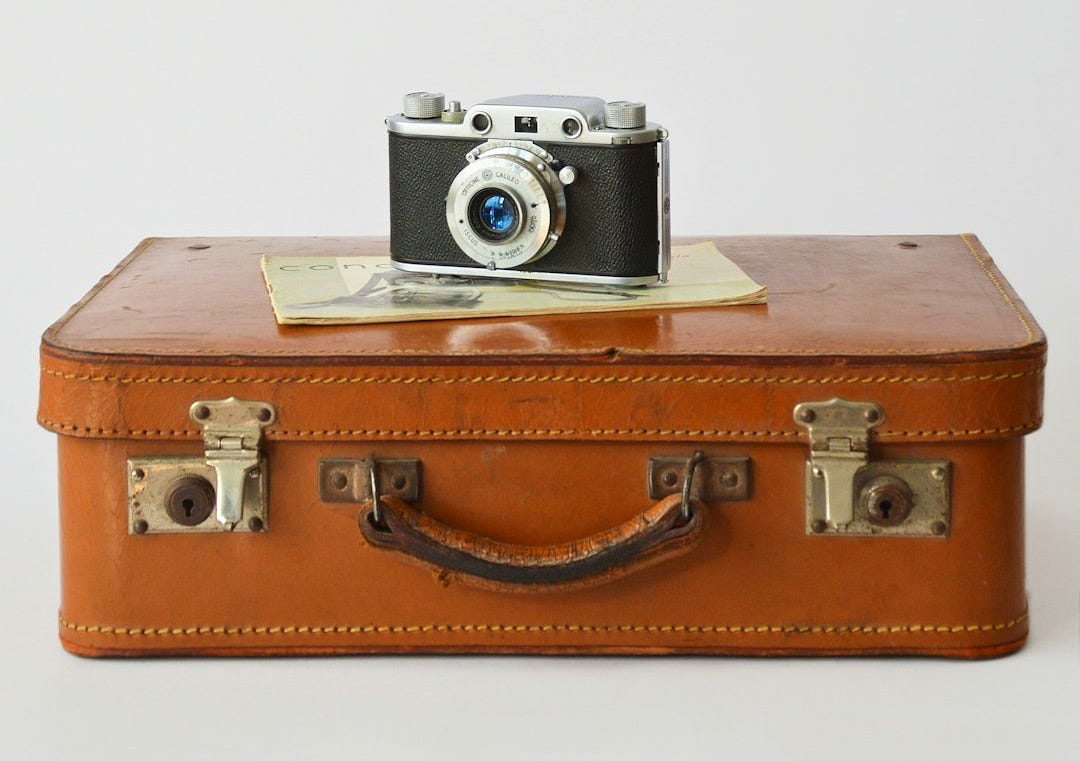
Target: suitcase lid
{"x": 926, "y": 326}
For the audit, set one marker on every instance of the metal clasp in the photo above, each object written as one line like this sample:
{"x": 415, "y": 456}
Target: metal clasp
{"x": 232, "y": 429}
{"x": 224, "y": 489}
{"x": 849, "y": 493}
{"x": 839, "y": 448}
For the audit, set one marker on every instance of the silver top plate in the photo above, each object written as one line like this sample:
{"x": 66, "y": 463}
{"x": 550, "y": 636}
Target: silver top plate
{"x": 548, "y": 114}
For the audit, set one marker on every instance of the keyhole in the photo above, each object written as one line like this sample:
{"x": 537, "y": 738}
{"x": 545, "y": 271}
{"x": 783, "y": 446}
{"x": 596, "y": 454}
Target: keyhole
{"x": 887, "y": 501}
{"x": 190, "y": 500}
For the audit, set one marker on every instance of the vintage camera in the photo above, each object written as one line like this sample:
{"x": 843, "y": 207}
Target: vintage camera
{"x": 542, "y": 187}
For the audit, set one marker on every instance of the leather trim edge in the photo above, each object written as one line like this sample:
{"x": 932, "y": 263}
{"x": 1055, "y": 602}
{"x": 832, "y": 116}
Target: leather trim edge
{"x": 991, "y": 272}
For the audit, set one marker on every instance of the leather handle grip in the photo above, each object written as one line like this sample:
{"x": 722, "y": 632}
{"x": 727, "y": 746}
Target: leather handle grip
{"x": 657, "y": 532}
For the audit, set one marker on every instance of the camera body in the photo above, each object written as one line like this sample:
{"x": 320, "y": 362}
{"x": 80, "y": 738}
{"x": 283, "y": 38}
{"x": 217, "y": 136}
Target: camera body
{"x": 530, "y": 187}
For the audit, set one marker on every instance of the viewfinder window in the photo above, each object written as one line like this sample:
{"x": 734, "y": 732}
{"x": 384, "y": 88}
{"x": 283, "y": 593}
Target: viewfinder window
{"x": 524, "y": 124}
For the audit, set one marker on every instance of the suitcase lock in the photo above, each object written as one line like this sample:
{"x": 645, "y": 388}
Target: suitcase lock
{"x": 224, "y": 490}
{"x": 847, "y": 492}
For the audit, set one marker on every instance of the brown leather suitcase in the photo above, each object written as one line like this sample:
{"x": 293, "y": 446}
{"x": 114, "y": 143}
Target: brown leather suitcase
{"x": 839, "y": 471}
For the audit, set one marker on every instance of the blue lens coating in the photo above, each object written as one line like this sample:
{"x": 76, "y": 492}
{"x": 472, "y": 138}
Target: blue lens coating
{"x": 498, "y": 213}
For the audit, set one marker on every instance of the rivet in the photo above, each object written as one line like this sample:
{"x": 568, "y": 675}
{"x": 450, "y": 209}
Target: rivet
{"x": 819, "y": 526}
{"x": 872, "y": 415}
{"x": 817, "y": 472}
{"x": 138, "y": 474}
{"x": 255, "y": 524}
{"x": 140, "y": 526}
{"x": 939, "y": 528}
{"x": 255, "y": 473}
{"x": 339, "y": 481}
{"x": 669, "y": 478}
{"x": 264, "y": 414}
{"x": 202, "y": 412}
{"x": 938, "y": 474}
{"x": 398, "y": 482}
{"x": 807, "y": 415}
{"x": 730, "y": 479}
{"x": 907, "y": 244}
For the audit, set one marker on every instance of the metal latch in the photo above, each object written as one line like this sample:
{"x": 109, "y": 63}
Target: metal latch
{"x": 848, "y": 492}
{"x": 224, "y": 490}
{"x": 232, "y": 429}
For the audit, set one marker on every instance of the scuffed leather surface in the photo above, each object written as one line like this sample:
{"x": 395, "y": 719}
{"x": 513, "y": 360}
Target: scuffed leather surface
{"x": 557, "y": 417}
{"x": 962, "y": 359}
{"x": 611, "y": 223}
{"x": 835, "y": 300}
{"x": 753, "y": 584}
{"x": 561, "y": 402}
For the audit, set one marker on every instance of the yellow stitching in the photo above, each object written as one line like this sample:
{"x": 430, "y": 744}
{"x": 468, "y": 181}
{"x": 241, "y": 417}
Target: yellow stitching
{"x": 592, "y": 380}
{"x": 523, "y": 432}
{"x": 90, "y": 431}
{"x": 966, "y": 431}
{"x": 532, "y": 628}
{"x": 986, "y": 268}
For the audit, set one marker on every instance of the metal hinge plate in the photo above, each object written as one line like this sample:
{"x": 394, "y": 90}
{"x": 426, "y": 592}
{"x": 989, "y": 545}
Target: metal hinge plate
{"x": 343, "y": 479}
{"x": 224, "y": 490}
{"x": 348, "y": 480}
{"x": 849, "y": 493}
{"x": 723, "y": 479}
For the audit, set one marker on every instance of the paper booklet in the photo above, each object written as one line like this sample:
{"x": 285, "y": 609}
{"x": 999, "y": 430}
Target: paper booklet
{"x": 329, "y": 290}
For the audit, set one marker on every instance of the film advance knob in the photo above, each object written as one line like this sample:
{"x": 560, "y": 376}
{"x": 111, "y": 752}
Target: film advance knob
{"x": 624, "y": 114}
{"x": 423, "y": 105}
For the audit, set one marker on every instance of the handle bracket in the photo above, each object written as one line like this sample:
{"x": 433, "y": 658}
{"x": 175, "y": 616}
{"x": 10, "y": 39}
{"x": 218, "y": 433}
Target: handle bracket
{"x": 386, "y": 489}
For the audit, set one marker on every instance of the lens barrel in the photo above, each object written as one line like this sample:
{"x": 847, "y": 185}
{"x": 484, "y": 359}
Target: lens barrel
{"x": 506, "y": 207}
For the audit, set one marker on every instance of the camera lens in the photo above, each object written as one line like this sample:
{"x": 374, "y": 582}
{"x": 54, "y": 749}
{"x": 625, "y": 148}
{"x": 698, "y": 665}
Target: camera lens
{"x": 506, "y": 207}
{"x": 494, "y": 215}
{"x": 497, "y": 214}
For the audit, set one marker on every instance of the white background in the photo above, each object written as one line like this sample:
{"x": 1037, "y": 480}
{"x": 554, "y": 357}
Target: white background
{"x": 121, "y": 120}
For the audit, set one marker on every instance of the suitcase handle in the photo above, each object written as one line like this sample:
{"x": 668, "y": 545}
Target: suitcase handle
{"x": 670, "y": 525}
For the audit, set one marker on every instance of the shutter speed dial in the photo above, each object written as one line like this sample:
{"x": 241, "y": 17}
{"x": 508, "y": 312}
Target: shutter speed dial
{"x": 424, "y": 105}
{"x": 624, "y": 114}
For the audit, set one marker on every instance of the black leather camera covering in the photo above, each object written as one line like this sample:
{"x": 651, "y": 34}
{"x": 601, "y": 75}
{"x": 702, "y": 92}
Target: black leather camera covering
{"x": 611, "y": 214}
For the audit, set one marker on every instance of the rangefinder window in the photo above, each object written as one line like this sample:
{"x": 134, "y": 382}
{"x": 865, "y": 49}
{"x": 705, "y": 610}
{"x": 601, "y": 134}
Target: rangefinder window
{"x": 524, "y": 124}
